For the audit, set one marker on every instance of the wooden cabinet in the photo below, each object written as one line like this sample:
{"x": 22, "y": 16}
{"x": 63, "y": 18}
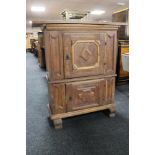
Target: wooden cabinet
{"x": 81, "y": 67}
{"x": 122, "y": 16}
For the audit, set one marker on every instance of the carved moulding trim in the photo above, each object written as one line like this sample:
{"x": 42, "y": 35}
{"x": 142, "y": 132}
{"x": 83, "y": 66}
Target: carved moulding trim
{"x": 96, "y": 42}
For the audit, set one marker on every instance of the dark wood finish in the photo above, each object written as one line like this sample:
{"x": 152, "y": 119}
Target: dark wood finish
{"x": 41, "y": 50}
{"x": 81, "y": 62}
{"x": 47, "y": 49}
{"x": 122, "y": 16}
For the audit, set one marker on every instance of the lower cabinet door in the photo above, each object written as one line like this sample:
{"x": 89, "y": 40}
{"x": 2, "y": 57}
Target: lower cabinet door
{"x": 82, "y": 95}
{"x": 87, "y": 94}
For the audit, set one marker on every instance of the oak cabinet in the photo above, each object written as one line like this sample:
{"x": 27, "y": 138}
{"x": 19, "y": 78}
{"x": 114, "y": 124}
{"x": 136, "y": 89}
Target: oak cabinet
{"x": 81, "y": 69}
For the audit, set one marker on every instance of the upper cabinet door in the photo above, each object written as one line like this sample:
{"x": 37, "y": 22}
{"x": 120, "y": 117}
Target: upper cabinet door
{"x": 87, "y": 54}
{"x": 83, "y": 54}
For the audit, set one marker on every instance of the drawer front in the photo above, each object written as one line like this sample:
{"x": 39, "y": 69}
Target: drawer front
{"x": 86, "y": 94}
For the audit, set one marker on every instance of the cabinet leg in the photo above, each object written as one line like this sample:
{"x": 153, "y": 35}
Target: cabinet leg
{"x": 112, "y": 112}
{"x": 57, "y": 123}
{"x": 49, "y": 111}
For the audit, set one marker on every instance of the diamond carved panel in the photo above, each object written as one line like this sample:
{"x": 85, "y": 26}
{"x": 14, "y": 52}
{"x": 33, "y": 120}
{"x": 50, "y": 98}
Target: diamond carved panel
{"x": 85, "y": 54}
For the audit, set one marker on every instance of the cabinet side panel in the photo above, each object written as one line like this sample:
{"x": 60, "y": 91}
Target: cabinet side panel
{"x": 57, "y": 98}
{"x": 103, "y": 92}
{"x": 46, "y": 42}
{"x": 110, "y": 90}
{"x": 110, "y": 53}
{"x": 55, "y": 56}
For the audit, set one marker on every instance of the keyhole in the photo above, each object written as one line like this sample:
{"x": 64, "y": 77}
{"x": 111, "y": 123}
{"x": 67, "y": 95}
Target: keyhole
{"x": 70, "y": 98}
{"x": 67, "y": 57}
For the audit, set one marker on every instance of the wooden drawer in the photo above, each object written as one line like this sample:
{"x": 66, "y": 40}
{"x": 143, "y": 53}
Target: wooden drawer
{"x": 86, "y": 94}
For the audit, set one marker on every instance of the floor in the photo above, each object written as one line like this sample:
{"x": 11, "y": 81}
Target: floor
{"x": 90, "y": 134}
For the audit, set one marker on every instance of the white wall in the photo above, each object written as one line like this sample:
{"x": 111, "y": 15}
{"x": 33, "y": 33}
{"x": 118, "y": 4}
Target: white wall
{"x": 33, "y": 30}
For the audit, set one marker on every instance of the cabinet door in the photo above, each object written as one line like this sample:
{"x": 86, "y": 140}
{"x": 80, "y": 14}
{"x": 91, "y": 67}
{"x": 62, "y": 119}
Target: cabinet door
{"x": 82, "y": 95}
{"x": 110, "y": 53}
{"x": 83, "y": 54}
{"x": 87, "y": 94}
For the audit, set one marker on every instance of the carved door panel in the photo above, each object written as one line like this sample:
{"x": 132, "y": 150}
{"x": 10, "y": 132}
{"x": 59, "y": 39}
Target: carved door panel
{"x": 110, "y": 53}
{"x": 87, "y": 94}
{"x": 82, "y": 95}
{"x": 83, "y": 54}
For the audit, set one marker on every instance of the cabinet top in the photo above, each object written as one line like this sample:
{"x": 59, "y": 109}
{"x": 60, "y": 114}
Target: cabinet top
{"x": 48, "y": 25}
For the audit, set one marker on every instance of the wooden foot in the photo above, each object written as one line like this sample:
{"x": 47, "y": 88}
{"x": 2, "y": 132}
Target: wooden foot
{"x": 112, "y": 112}
{"x": 57, "y": 123}
{"x": 49, "y": 112}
